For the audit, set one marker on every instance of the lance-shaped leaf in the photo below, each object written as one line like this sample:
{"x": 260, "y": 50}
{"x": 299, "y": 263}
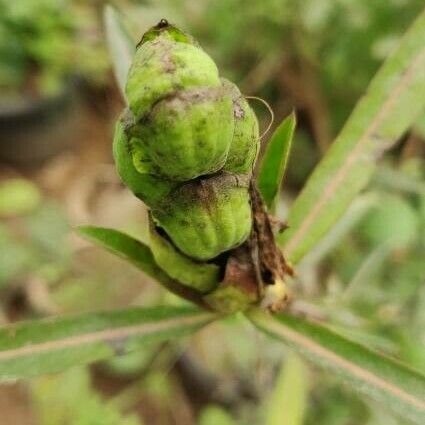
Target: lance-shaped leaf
{"x": 275, "y": 160}
{"x": 140, "y": 255}
{"x": 54, "y": 344}
{"x": 288, "y": 401}
{"x": 121, "y": 45}
{"x": 387, "y": 381}
{"x": 395, "y": 97}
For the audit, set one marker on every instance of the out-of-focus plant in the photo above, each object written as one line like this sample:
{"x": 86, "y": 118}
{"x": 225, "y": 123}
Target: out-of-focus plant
{"x": 36, "y": 244}
{"x": 342, "y": 41}
{"x": 69, "y": 398}
{"x": 45, "y": 43}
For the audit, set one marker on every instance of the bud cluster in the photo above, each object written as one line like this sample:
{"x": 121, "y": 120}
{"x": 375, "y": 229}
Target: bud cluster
{"x": 186, "y": 146}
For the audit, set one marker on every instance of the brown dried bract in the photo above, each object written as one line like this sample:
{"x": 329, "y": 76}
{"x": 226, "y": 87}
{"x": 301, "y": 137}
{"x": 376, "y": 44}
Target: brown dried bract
{"x": 258, "y": 267}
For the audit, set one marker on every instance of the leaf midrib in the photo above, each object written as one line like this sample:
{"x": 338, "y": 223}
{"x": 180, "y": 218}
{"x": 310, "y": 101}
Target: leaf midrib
{"x": 106, "y": 335}
{"x": 333, "y": 358}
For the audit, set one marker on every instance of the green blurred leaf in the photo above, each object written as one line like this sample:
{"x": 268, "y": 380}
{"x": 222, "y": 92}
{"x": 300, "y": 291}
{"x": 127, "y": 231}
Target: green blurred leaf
{"x": 139, "y": 255}
{"x": 391, "y": 104}
{"x": 130, "y": 364}
{"x": 48, "y": 228}
{"x": 275, "y": 160}
{"x": 16, "y": 257}
{"x": 214, "y": 415}
{"x": 68, "y": 398}
{"x": 393, "y": 221}
{"x": 121, "y": 45}
{"x": 54, "y": 344}
{"x": 18, "y": 196}
{"x": 385, "y": 380}
{"x": 401, "y": 180}
{"x": 288, "y": 401}
{"x": 357, "y": 210}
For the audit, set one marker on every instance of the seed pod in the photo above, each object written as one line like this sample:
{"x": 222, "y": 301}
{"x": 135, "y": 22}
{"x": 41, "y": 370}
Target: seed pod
{"x": 246, "y": 139}
{"x": 186, "y": 147}
{"x": 204, "y": 277}
{"x": 162, "y": 66}
{"x": 187, "y": 134}
{"x": 208, "y": 216}
{"x": 146, "y": 187}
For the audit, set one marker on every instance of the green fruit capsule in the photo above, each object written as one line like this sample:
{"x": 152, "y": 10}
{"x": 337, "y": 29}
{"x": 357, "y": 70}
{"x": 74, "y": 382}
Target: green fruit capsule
{"x": 162, "y": 66}
{"x": 146, "y": 187}
{"x": 246, "y": 138}
{"x": 204, "y": 277}
{"x": 188, "y": 134}
{"x": 208, "y": 216}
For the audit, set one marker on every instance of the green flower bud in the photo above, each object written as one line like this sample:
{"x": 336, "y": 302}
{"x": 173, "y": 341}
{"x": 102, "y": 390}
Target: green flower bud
{"x": 146, "y": 187}
{"x": 162, "y": 66}
{"x": 208, "y": 216}
{"x": 186, "y": 135}
{"x": 246, "y": 138}
{"x": 204, "y": 277}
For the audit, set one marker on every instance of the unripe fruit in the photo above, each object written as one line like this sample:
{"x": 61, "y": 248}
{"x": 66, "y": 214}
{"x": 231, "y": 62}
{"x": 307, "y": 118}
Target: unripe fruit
{"x": 187, "y": 134}
{"x": 163, "y": 66}
{"x": 146, "y": 187}
{"x": 246, "y": 139}
{"x": 208, "y": 216}
{"x": 204, "y": 277}
{"x": 186, "y": 147}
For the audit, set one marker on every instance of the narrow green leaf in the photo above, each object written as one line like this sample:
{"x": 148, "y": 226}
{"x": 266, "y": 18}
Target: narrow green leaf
{"x": 54, "y": 344}
{"x": 385, "y": 380}
{"x": 125, "y": 247}
{"x": 356, "y": 211}
{"x": 288, "y": 401}
{"x": 394, "y": 99}
{"x": 275, "y": 159}
{"x": 120, "y": 43}
{"x": 138, "y": 254}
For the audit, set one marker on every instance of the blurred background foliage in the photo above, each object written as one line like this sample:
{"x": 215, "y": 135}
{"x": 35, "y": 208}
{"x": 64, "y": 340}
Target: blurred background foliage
{"x": 45, "y": 42}
{"x": 366, "y": 277}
